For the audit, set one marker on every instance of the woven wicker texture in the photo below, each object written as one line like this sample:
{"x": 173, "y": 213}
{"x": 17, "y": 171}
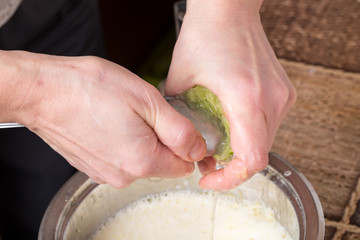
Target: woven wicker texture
{"x": 321, "y": 134}
{"x": 321, "y": 137}
{"x": 319, "y": 32}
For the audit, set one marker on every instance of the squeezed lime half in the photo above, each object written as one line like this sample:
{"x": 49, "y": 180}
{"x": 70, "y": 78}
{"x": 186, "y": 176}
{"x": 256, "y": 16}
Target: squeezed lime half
{"x": 201, "y": 98}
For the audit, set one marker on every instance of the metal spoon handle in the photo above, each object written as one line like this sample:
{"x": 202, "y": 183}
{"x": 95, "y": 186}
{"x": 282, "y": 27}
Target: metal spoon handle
{"x": 10, "y": 125}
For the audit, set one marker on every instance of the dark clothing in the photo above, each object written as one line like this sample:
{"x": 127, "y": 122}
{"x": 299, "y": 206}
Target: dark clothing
{"x": 60, "y": 27}
{"x": 30, "y": 171}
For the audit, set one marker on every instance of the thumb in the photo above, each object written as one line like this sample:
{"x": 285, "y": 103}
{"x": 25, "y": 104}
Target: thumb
{"x": 179, "y": 135}
{"x": 176, "y": 131}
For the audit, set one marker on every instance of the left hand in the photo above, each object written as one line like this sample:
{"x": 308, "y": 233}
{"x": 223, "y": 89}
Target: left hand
{"x": 225, "y": 49}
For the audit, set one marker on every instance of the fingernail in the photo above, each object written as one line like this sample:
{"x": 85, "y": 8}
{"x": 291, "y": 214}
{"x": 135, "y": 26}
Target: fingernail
{"x": 199, "y": 150}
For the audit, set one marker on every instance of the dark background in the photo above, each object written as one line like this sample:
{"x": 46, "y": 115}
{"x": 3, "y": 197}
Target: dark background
{"x": 134, "y": 29}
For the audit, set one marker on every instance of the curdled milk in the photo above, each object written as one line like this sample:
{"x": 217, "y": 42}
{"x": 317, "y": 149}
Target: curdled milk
{"x": 193, "y": 215}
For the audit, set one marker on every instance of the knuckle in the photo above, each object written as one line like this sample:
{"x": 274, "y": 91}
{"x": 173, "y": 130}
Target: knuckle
{"x": 286, "y": 95}
{"x": 96, "y": 179}
{"x": 93, "y": 61}
{"x": 141, "y": 171}
{"x": 292, "y": 95}
{"x": 119, "y": 180}
{"x": 119, "y": 184}
{"x": 259, "y": 161}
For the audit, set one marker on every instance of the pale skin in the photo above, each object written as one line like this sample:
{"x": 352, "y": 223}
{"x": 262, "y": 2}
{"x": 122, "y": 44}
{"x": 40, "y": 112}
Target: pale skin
{"x": 103, "y": 119}
{"x": 116, "y": 128}
{"x": 225, "y": 49}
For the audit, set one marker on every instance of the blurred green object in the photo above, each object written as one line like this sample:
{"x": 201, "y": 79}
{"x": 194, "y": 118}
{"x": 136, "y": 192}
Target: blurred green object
{"x": 156, "y": 66}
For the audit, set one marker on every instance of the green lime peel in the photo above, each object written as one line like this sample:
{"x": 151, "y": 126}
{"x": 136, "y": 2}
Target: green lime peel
{"x": 201, "y": 98}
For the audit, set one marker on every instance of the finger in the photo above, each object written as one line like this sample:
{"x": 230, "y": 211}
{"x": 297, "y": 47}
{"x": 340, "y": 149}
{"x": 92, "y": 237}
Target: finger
{"x": 250, "y": 144}
{"x": 164, "y": 163}
{"x": 86, "y": 168}
{"x": 119, "y": 179}
{"x": 249, "y": 133}
{"x": 207, "y": 165}
{"x": 97, "y": 180}
{"x": 149, "y": 159}
{"x": 179, "y": 135}
{"x": 161, "y": 162}
{"x": 235, "y": 173}
{"x": 112, "y": 174}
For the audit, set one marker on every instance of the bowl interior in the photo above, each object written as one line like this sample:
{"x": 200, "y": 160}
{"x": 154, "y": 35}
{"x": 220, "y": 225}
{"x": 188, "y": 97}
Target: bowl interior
{"x": 81, "y": 206}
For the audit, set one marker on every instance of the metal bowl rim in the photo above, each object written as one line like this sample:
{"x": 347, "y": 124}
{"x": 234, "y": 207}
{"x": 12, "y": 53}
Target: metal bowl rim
{"x": 71, "y": 194}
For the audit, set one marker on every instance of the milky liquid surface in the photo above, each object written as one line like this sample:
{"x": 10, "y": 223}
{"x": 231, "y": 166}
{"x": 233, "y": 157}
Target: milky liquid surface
{"x": 190, "y": 215}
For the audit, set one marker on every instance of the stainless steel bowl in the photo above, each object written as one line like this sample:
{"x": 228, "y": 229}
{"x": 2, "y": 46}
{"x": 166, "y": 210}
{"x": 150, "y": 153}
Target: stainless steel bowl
{"x": 81, "y": 205}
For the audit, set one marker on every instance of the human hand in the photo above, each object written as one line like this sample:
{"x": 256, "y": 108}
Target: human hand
{"x": 104, "y": 120}
{"x": 224, "y": 48}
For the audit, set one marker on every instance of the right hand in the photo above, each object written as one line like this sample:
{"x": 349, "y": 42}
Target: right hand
{"x": 222, "y": 46}
{"x": 106, "y": 121}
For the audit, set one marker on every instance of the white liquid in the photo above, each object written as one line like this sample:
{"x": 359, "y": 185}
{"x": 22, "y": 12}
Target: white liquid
{"x": 190, "y": 215}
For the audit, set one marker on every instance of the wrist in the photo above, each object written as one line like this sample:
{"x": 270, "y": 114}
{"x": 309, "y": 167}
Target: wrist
{"x": 17, "y": 79}
{"x": 219, "y": 9}
{"x": 32, "y": 85}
